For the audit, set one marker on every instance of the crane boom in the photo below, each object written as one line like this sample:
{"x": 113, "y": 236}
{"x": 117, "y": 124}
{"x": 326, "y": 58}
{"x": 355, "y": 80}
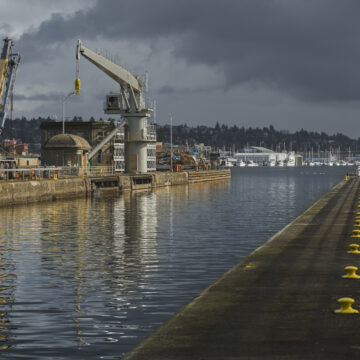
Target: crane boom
{"x": 115, "y": 71}
{"x": 130, "y": 104}
{"x": 8, "y": 66}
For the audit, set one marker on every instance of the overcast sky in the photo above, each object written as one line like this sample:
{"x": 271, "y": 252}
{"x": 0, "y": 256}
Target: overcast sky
{"x": 290, "y": 63}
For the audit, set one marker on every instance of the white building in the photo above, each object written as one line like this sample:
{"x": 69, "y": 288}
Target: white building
{"x": 264, "y": 156}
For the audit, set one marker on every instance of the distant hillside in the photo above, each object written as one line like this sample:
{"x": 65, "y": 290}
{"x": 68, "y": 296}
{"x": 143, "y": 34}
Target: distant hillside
{"x": 240, "y": 137}
{"x": 28, "y": 131}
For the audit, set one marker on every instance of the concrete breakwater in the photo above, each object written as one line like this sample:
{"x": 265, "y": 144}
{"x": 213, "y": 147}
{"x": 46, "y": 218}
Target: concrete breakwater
{"x": 20, "y": 192}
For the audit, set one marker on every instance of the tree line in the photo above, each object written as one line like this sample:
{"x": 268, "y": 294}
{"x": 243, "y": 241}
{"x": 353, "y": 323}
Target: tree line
{"x": 237, "y": 138}
{"x": 219, "y": 136}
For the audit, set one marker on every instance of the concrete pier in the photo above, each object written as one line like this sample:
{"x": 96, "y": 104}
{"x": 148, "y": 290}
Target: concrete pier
{"x": 279, "y": 302}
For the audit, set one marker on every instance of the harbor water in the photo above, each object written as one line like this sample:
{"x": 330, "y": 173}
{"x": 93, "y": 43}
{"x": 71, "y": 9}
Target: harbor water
{"x": 90, "y": 278}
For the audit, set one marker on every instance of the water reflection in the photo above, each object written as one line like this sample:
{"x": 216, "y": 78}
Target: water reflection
{"x": 6, "y": 297}
{"x": 89, "y": 278}
{"x": 140, "y": 222}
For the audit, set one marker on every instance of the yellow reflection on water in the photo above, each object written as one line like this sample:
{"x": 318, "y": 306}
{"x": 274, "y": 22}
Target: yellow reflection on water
{"x": 4, "y": 323}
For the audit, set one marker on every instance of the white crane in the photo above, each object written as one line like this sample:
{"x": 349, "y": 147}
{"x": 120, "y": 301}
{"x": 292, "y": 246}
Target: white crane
{"x": 130, "y": 104}
{"x": 8, "y": 66}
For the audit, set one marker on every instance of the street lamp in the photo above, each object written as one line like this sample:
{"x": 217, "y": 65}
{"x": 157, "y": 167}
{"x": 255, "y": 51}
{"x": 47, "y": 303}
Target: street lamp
{"x": 75, "y": 92}
{"x": 63, "y": 109}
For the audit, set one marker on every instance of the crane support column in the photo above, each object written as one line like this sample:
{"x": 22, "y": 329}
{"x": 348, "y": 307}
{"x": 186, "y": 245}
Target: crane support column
{"x": 136, "y": 140}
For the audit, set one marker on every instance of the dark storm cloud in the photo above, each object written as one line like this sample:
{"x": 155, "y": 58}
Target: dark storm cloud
{"x": 309, "y": 49}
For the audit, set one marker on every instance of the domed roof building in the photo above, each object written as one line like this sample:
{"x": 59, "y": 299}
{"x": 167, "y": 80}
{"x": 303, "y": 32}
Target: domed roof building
{"x": 67, "y": 141}
{"x": 65, "y": 150}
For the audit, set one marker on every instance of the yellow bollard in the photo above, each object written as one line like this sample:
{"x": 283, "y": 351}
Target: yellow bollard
{"x": 354, "y": 249}
{"x": 345, "y": 306}
{"x": 357, "y": 222}
{"x": 346, "y": 178}
{"x": 351, "y": 273}
{"x": 356, "y": 234}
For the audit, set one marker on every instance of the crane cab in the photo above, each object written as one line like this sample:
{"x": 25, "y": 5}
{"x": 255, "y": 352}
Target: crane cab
{"x": 113, "y": 103}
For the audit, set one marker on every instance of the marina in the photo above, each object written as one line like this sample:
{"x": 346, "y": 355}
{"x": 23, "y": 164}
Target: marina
{"x": 260, "y": 156}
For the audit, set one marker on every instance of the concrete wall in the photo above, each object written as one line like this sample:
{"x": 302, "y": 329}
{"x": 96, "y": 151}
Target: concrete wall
{"x": 170, "y": 178}
{"x": 124, "y": 183}
{"x": 33, "y": 191}
{"x": 40, "y": 190}
{"x": 210, "y": 175}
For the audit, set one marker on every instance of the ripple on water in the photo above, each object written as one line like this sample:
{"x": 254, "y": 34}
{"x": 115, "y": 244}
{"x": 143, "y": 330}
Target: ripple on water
{"x": 89, "y": 278}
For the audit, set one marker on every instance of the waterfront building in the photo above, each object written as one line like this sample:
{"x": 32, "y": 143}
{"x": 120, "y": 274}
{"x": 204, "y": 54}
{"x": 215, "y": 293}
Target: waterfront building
{"x": 111, "y": 154}
{"x": 263, "y": 156}
{"x": 65, "y": 150}
{"x": 13, "y": 147}
{"x": 27, "y": 161}
{"x": 259, "y": 155}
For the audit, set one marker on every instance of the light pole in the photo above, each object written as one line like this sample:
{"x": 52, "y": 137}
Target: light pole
{"x": 63, "y": 109}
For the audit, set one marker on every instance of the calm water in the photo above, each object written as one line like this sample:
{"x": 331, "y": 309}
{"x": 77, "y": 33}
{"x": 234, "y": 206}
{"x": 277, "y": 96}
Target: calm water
{"x": 90, "y": 278}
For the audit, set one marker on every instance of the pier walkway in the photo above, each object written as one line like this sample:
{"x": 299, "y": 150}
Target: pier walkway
{"x": 279, "y": 302}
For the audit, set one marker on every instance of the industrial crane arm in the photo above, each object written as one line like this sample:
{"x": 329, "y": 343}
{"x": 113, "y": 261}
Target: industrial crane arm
{"x": 8, "y": 67}
{"x": 115, "y": 71}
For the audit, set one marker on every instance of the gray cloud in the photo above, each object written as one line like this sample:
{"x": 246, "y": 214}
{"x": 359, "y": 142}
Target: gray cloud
{"x": 308, "y": 49}
{"x": 39, "y": 97}
{"x": 5, "y": 29}
{"x": 167, "y": 89}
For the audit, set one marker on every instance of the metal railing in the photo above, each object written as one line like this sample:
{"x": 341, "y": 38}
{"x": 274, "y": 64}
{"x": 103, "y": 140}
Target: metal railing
{"x": 39, "y": 173}
{"x": 46, "y": 173}
{"x": 99, "y": 171}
